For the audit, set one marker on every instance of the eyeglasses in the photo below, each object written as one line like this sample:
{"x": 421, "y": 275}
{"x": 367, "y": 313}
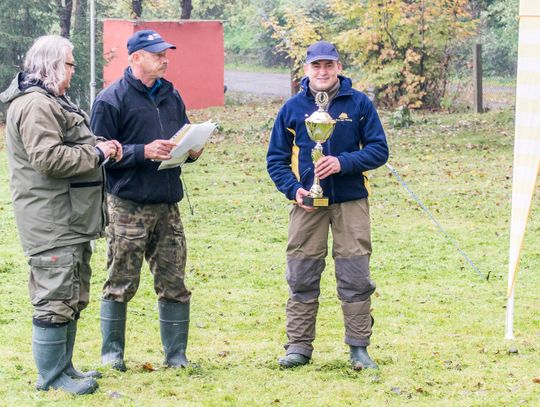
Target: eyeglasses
{"x": 71, "y": 64}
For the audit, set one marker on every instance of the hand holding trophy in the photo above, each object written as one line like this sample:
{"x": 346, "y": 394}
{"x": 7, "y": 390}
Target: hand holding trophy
{"x": 320, "y": 127}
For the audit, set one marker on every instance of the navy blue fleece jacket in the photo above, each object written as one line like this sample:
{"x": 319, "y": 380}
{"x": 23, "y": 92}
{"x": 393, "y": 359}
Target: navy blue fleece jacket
{"x": 134, "y": 115}
{"x": 358, "y": 141}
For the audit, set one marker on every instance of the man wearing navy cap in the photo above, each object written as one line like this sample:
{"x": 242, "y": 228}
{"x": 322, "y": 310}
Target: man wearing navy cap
{"x": 142, "y": 110}
{"x": 358, "y": 144}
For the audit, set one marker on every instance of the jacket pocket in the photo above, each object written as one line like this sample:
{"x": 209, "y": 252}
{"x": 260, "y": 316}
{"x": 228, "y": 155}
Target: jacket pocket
{"x": 86, "y": 207}
{"x": 51, "y": 277}
{"x": 130, "y": 232}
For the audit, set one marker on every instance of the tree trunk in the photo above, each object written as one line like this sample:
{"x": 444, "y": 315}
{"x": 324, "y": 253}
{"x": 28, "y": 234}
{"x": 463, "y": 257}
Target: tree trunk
{"x": 296, "y": 77}
{"x": 185, "y": 9}
{"x": 64, "y": 9}
{"x": 136, "y": 8}
{"x": 80, "y": 15}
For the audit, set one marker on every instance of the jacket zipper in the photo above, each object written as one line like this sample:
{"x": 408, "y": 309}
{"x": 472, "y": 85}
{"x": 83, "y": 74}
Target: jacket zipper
{"x": 331, "y": 179}
{"x": 162, "y": 136}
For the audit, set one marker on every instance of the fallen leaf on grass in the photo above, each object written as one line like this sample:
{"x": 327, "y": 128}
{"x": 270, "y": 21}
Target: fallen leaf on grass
{"x": 536, "y": 380}
{"x": 149, "y": 367}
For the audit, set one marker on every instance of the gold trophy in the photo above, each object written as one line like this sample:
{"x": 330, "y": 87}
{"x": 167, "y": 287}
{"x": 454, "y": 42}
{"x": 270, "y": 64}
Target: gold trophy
{"x": 320, "y": 126}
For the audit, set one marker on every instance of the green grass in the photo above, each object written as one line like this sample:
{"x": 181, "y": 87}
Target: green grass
{"x": 439, "y": 332}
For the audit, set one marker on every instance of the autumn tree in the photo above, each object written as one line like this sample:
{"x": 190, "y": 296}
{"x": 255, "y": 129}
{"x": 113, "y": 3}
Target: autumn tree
{"x": 404, "y": 48}
{"x": 295, "y": 29}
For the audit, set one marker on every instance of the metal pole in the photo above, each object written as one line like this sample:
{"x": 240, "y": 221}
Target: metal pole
{"x": 509, "y": 331}
{"x": 477, "y": 78}
{"x": 92, "y": 52}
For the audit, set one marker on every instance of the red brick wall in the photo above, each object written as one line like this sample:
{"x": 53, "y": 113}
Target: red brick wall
{"x": 195, "y": 66}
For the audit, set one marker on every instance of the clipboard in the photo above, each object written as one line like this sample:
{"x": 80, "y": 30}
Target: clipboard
{"x": 189, "y": 137}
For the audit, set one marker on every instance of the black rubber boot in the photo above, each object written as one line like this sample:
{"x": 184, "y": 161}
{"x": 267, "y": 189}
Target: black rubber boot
{"x": 49, "y": 349}
{"x": 113, "y": 334}
{"x": 174, "y": 327}
{"x": 293, "y": 360}
{"x": 360, "y": 359}
{"x": 70, "y": 369}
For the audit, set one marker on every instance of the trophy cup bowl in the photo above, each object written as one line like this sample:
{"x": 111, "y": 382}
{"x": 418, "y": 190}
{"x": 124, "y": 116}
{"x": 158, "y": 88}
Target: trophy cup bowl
{"x": 320, "y": 127}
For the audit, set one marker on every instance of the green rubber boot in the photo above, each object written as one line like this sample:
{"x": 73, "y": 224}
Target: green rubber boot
{"x": 174, "y": 327}
{"x": 70, "y": 369}
{"x": 360, "y": 359}
{"x": 49, "y": 349}
{"x": 113, "y": 334}
{"x": 293, "y": 360}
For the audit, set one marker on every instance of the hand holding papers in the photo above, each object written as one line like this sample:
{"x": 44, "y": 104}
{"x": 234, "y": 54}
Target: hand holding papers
{"x": 189, "y": 137}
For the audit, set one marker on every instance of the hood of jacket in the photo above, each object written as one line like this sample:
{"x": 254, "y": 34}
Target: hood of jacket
{"x": 17, "y": 88}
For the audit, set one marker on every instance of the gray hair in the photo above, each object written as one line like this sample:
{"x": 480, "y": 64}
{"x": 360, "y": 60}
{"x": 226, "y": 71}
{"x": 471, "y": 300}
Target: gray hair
{"x": 45, "y": 61}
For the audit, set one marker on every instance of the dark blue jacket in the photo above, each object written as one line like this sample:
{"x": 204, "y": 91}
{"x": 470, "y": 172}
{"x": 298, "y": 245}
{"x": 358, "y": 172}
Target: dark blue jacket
{"x": 127, "y": 112}
{"x": 358, "y": 141}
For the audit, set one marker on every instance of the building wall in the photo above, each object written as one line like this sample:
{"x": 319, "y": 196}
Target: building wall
{"x": 196, "y": 66}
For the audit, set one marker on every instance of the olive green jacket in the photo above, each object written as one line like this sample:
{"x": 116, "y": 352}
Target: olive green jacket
{"x": 55, "y": 178}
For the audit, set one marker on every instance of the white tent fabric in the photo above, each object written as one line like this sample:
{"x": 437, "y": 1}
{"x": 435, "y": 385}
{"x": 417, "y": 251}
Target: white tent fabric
{"x": 527, "y": 140}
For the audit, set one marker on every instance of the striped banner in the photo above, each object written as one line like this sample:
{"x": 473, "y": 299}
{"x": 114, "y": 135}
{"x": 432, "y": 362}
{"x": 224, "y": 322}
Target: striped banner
{"x": 527, "y": 140}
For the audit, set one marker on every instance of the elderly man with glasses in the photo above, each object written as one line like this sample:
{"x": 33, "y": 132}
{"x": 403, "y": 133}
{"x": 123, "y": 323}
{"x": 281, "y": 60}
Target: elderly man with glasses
{"x": 56, "y": 181}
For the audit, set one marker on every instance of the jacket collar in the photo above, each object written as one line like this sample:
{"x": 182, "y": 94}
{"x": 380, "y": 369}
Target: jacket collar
{"x": 20, "y": 86}
{"x": 160, "y": 93}
{"x": 344, "y": 89}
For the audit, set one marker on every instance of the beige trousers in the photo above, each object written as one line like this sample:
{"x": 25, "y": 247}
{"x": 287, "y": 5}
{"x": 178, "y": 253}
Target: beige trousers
{"x": 306, "y": 252}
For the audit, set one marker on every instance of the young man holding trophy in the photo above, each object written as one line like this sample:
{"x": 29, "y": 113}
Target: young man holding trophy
{"x": 324, "y": 140}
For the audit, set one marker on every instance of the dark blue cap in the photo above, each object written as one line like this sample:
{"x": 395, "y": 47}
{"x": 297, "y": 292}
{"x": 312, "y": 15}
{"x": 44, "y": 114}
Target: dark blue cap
{"x": 148, "y": 40}
{"x": 321, "y": 50}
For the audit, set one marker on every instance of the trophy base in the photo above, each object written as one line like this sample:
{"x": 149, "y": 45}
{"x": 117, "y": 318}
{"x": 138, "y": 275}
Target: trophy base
{"x": 315, "y": 202}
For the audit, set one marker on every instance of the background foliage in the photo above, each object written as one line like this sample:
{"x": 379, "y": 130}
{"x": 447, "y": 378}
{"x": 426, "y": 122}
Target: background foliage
{"x": 500, "y": 37}
{"x": 406, "y": 52}
{"x": 402, "y": 49}
{"x": 20, "y": 22}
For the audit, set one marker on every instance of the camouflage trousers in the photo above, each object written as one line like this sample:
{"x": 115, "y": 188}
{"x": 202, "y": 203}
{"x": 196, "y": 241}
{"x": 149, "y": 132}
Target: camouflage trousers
{"x": 150, "y": 231}
{"x": 59, "y": 283}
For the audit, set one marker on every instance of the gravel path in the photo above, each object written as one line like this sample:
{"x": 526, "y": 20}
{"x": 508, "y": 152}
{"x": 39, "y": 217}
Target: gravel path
{"x": 278, "y": 85}
{"x": 258, "y": 83}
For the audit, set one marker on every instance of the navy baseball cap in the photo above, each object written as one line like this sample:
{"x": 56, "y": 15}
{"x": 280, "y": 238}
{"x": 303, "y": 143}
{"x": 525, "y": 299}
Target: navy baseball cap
{"x": 321, "y": 50}
{"x": 148, "y": 40}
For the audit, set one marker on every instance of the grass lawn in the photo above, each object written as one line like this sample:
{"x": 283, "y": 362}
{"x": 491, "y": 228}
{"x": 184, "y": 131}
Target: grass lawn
{"x": 439, "y": 332}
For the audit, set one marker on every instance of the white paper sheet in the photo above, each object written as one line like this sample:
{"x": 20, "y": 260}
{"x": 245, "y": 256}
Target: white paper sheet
{"x": 189, "y": 137}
